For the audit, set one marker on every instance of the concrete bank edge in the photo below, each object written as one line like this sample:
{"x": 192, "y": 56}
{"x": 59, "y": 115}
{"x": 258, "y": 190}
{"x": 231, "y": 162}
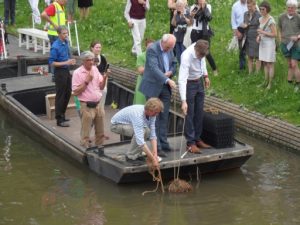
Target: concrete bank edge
{"x": 268, "y": 128}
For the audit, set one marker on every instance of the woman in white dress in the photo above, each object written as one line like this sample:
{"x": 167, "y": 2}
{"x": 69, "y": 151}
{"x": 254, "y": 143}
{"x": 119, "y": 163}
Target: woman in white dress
{"x": 266, "y": 37}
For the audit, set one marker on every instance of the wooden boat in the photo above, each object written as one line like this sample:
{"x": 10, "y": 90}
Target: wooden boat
{"x": 24, "y": 98}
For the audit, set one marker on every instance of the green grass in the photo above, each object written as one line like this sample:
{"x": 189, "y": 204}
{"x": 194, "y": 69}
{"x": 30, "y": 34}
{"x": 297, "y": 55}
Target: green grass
{"x": 106, "y": 23}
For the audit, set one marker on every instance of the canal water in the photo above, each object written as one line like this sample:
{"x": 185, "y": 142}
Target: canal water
{"x": 38, "y": 187}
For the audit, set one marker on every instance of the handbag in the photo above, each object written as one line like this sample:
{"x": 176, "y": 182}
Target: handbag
{"x": 233, "y": 44}
{"x": 92, "y": 104}
{"x": 187, "y": 37}
{"x": 264, "y": 28}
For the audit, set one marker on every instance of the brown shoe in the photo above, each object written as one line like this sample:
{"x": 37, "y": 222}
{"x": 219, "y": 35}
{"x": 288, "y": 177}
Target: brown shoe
{"x": 201, "y": 144}
{"x": 193, "y": 149}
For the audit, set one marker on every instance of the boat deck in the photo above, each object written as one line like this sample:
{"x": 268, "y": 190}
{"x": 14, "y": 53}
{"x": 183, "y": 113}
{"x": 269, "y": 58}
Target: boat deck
{"x": 73, "y": 132}
{"x": 113, "y": 165}
{"x": 24, "y": 98}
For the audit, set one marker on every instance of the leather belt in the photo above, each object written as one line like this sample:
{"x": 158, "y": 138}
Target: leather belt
{"x": 194, "y": 80}
{"x": 90, "y": 104}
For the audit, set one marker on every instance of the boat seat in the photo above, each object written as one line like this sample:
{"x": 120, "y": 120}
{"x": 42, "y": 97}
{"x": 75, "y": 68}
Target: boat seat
{"x": 50, "y": 106}
{"x": 34, "y": 38}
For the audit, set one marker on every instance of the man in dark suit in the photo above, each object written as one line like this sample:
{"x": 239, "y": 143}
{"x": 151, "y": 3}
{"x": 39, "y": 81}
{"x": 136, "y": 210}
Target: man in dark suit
{"x": 159, "y": 68}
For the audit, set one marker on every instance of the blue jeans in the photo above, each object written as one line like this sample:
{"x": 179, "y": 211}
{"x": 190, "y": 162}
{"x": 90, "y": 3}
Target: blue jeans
{"x": 194, "y": 118}
{"x": 179, "y": 47}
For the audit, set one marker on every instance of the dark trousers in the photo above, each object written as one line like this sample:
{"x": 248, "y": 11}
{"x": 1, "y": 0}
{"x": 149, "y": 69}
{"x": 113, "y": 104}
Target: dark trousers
{"x": 242, "y": 55}
{"x": 161, "y": 123}
{"x": 9, "y": 11}
{"x": 179, "y": 48}
{"x": 194, "y": 118}
{"x": 171, "y": 26}
{"x": 197, "y": 35}
{"x": 63, "y": 92}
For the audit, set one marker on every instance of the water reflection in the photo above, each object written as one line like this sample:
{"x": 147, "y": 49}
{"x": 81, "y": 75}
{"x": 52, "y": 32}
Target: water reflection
{"x": 5, "y": 162}
{"x": 70, "y": 197}
{"x": 41, "y": 188}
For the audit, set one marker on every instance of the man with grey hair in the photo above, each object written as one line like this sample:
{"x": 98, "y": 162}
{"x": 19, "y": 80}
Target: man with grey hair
{"x": 60, "y": 59}
{"x": 87, "y": 85}
{"x": 157, "y": 81}
{"x": 289, "y": 36}
{"x": 192, "y": 75}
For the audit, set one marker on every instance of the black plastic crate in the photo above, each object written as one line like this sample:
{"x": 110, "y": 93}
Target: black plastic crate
{"x": 218, "y": 130}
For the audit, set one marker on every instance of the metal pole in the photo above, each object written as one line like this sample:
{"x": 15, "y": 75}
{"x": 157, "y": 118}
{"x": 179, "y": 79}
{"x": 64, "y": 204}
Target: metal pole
{"x": 70, "y": 37}
{"x": 33, "y": 26}
{"x": 76, "y": 33}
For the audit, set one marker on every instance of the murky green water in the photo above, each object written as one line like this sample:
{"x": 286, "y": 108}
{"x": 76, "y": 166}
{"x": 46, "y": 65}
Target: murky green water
{"x": 39, "y": 187}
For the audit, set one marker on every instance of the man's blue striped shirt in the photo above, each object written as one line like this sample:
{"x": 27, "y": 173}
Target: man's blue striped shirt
{"x": 135, "y": 116}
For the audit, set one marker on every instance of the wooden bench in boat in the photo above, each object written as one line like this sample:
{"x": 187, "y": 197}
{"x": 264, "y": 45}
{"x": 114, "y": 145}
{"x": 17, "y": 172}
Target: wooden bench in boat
{"x": 50, "y": 106}
{"x": 38, "y": 39}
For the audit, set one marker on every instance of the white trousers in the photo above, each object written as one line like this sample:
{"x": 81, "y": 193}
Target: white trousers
{"x": 138, "y": 31}
{"x": 35, "y": 10}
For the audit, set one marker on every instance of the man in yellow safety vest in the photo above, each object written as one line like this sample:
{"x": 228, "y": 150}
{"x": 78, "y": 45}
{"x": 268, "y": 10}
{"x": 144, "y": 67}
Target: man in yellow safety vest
{"x": 55, "y": 15}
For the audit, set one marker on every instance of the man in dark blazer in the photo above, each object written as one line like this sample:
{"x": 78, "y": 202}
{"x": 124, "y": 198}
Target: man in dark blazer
{"x": 157, "y": 82}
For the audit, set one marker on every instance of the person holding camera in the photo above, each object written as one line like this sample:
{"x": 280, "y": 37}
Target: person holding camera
{"x": 180, "y": 21}
{"x": 201, "y": 15}
{"x": 87, "y": 85}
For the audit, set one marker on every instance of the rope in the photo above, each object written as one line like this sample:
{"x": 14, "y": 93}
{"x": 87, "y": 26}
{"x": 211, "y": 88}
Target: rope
{"x": 174, "y": 126}
{"x": 176, "y": 176}
{"x": 212, "y": 110}
{"x": 158, "y": 179}
{"x": 181, "y": 143}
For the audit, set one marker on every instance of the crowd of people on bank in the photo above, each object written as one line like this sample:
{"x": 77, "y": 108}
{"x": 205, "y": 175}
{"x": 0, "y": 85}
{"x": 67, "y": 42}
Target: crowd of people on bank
{"x": 259, "y": 36}
{"x": 253, "y": 27}
{"x": 70, "y": 5}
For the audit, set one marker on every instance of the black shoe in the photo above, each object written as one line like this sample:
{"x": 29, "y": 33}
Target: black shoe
{"x": 168, "y": 149}
{"x": 62, "y": 124}
{"x": 161, "y": 153}
{"x": 66, "y": 119}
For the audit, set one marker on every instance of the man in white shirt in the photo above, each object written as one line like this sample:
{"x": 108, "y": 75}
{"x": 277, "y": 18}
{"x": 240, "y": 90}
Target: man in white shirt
{"x": 135, "y": 14}
{"x": 237, "y": 18}
{"x": 192, "y": 75}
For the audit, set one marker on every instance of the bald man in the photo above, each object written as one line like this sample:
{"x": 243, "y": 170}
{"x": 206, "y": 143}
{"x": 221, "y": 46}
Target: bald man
{"x": 157, "y": 82}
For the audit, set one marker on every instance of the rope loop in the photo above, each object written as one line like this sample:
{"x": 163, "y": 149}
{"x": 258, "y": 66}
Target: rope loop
{"x": 212, "y": 110}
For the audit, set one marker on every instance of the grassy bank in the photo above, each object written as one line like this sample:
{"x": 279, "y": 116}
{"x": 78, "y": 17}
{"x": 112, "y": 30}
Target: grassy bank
{"x": 106, "y": 22}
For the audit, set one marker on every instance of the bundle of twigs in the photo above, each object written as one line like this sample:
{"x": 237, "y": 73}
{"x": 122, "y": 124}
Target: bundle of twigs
{"x": 179, "y": 186}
